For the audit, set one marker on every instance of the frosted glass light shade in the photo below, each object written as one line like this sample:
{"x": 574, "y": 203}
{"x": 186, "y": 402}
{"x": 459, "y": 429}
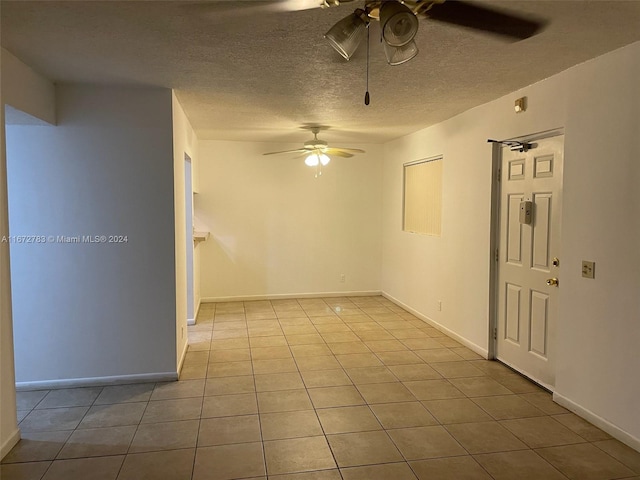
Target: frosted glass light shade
{"x": 400, "y": 55}
{"x": 399, "y": 23}
{"x": 314, "y": 159}
{"x": 346, "y": 35}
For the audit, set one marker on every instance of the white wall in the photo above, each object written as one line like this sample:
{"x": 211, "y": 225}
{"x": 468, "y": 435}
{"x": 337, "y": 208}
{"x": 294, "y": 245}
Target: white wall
{"x": 27, "y": 92}
{"x": 277, "y": 230}
{"x": 184, "y": 141}
{"x": 597, "y": 104}
{"x": 94, "y": 311}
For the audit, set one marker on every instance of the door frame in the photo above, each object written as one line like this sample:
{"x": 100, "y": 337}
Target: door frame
{"x": 494, "y": 239}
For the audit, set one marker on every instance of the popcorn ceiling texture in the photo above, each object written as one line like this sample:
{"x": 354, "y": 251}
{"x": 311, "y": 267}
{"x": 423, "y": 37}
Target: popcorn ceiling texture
{"x": 244, "y": 73}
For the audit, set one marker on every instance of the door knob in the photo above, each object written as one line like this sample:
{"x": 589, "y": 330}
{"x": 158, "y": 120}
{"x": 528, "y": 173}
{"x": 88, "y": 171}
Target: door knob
{"x": 556, "y": 262}
{"x": 552, "y": 282}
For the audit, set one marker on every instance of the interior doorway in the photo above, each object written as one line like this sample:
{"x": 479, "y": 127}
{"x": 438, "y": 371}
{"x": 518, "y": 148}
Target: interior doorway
{"x": 528, "y": 256}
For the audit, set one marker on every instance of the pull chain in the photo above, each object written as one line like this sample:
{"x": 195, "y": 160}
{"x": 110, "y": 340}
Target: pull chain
{"x": 366, "y": 95}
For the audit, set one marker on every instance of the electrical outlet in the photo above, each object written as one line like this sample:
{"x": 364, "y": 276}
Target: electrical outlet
{"x": 439, "y": 305}
{"x": 342, "y": 278}
{"x": 588, "y": 269}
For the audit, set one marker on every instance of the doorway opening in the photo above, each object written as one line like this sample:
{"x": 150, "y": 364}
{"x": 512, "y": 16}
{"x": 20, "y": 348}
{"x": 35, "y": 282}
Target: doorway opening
{"x": 188, "y": 207}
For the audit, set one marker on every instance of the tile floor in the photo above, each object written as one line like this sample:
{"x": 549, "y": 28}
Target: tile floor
{"x": 315, "y": 389}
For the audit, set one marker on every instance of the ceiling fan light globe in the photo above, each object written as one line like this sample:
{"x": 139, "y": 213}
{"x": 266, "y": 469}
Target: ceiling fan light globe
{"x": 399, "y": 23}
{"x": 400, "y": 55}
{"x": 346, "y": 35}
{"x": 312, "y": 160}
{"x": 324, "y": 159}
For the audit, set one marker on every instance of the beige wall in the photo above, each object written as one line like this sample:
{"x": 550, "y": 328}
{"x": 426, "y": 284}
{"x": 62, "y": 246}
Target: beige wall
{"x": 277, "y": 230}
{"x": 598, "y": 105}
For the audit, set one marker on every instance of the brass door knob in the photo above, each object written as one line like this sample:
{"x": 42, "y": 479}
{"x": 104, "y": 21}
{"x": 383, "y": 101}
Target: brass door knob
{"x": 552, "y": 282}
{"x": 556, "y": 262}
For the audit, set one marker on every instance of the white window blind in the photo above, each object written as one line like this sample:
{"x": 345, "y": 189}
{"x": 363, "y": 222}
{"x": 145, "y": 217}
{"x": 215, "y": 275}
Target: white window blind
{"x": 423, "y": 196}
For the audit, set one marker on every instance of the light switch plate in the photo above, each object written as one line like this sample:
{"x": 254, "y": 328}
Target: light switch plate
{"x": 588, "y": 269}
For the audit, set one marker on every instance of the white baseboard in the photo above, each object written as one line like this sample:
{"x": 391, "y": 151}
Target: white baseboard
{"x": 483, "y": 352}
{"x": 9, "y": 443}
{"x": 191, "y": 321}
{"x": 598, "y": 421}
{"x": 183, "y": 356}
{"x": 97, "y": 381}
{"x": 283, "y": 296}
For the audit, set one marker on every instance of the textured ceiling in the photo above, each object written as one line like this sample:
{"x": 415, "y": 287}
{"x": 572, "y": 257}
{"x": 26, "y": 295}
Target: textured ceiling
{"x": 243, "y": 72}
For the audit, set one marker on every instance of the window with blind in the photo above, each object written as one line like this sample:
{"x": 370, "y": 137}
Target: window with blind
{"x": 423, "y": 196}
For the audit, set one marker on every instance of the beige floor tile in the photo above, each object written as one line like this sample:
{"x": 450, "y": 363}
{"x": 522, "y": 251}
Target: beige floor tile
{"x": 282, "y": 425}
{"x": 229, "y": 385}
{"x": 466, "y": 353}
{"x": 31, "y": 471}
{"x": 452, "y": 468}
{"x": 355, "y": 316}
{"x": 278, "y": 365}
{"x": 395, "y": 323}
{"x": 293, "y": 313}
{"x": 229, "y": 430}
{"x": 424, "y": 343}
{"x": 226, "y": 462}
{"x": 322, "y": 362}
{"x": 284, "y": 401}
{"x": 260, "y": 315}
{"x": 340, "y": 337}
{"x": 354, "y": 360}
{"x": 456, "y": 410}
{"x": 98, "y": 442}
{"x": 305, "y": 329}
{"x": 479, "y": 386}
{"x": 388, "y": 471}
{"x": 69, "y": 397}
{"x": 229, "y": 369}
{"x": 439, "y": 355}
{"x": 172, "y": 410}
{"x": 307, "y": 339}
{"x": 226, "y": 356}
{"x": 225, "y": 334}
{"x": 239, "y": 324}
{"x": 229, "y": 405}
{"x": 165, "y": 436}
{"x": 399, "y": 358}
{"x": 229, "y": 343}
{"x": 412, "y": 334}
{"x": 66, "y": 418}
{"x": 584, "y": 462}
{"x": 29, "y": 400}
{"x": 98, "y": 468}
{"x": 325, "y": 319}
{"x": 265, "y": 332}
{"x": 583, "y": 428}
{"x": 622, "y": 453}
{"x": 409, "y": 373}
{"x": 522, "y": 464}
{"x": 541, "y": 432}
{"x": 517, "y": 383}
{"x": 343, "y": 396}
{"x": 303, "y": 320}
{"x": 270, "y": 353}
{"x": 417, "y": 443}
{"x": 363, "y": 448}
{"x": 507, "y": 407}
{"x": 485, "y": 437}
{"x": 457, "y": 370}
{"x": 374, "y": 334}
{"x": 349, "y": 347}
{"x": 325, "y": 378}
{"x": 312, "y": 350}
{"x": 193, "y": 372}
{"x": 298, "y": 455}
{"x": 37, "y": 446}
{"x": 433, "y": 389}
{"x": 403, "y": 415}
{"x": 368, "y": 325}
{"x": 378, "y": 346}
{"x": 271, "y": 341}
{"x": 492, "y": 368}
{"x": 544, "y": 402}
{"x": 278, "y": 381}
{"x": 385, "y": 393}
{"x": 181, "y": 389}
{"x": 348, "y": 419}
{"x": 364, "y": 375}
{"x": 332, "y": 474}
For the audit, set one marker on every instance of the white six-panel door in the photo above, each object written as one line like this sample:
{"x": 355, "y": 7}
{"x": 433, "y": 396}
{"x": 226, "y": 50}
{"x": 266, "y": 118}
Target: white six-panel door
{"x": 528, "y": 259}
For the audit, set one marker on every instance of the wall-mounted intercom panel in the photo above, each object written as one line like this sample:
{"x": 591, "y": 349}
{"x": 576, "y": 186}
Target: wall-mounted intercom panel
{"x": 526, "y": 212}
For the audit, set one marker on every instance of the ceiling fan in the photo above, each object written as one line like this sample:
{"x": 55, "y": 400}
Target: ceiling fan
{"x": 317, "y": 151}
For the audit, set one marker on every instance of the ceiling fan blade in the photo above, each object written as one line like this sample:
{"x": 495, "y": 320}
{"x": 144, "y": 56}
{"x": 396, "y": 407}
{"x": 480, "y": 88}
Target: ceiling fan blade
{"x": 348, "y": 150}
{"x": 338, "y": 153}
{"x": 297, "y": 150}
{"x": 479, "y": 17}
